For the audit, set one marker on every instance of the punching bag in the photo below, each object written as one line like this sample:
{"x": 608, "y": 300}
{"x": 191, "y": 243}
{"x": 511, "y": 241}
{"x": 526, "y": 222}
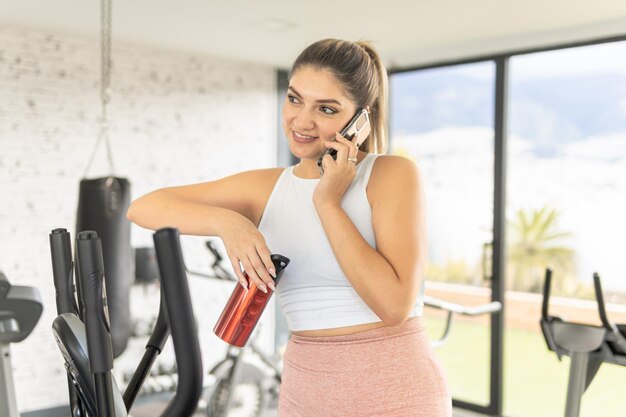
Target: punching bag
{"x": 102, "y": 206}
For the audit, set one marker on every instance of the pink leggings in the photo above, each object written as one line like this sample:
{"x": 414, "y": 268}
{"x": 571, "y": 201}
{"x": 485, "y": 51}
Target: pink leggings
{"x": 384, "y": 372}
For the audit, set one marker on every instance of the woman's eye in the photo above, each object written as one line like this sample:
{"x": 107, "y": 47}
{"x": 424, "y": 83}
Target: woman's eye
{"x": 293, "y": 99}
{"x": 327, "y": 110}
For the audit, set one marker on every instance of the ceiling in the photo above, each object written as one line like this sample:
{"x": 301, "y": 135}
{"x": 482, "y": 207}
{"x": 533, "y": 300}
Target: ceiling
{"x": 407, "y": 33}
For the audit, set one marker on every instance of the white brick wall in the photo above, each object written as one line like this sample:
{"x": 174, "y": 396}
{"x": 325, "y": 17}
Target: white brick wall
{"x": 175, "y": 118}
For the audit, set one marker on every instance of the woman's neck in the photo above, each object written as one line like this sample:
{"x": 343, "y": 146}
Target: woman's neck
{"x": 307, "y": 169}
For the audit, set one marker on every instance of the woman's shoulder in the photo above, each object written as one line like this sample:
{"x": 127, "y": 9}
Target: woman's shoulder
{"x": 392, "y": 175}
{"x": 263, "y": 173}
{"x": 257, "y": 177}
{"x": 259, "y": 184}
{"x": 390, "y": 167}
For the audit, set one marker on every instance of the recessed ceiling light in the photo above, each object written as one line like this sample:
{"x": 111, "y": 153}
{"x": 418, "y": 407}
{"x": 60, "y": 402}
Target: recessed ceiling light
{"x": 274, "y": 25}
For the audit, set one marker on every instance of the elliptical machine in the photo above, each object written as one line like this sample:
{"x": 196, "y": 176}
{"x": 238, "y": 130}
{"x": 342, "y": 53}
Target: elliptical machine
{"x": 588, "y": 346}
{"x": 82, "y": 328}
{"x": 20, "y": 310}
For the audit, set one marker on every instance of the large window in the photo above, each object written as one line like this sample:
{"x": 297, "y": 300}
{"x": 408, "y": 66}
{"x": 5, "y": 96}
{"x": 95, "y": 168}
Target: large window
{"x": 563, "y": 126}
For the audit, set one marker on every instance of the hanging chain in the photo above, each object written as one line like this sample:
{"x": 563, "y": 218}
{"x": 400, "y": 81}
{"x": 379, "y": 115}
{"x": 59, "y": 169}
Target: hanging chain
{"x": 105, "y": 84}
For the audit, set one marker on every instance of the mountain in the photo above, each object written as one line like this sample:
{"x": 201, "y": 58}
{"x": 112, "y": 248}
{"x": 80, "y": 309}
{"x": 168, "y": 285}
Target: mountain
{"x": 548, "y": 111}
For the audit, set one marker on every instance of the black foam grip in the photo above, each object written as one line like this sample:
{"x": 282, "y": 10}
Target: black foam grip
{"x": 61, "y": 252}
{"x": 91, "y": 273}
{"x": 102, "y": 206}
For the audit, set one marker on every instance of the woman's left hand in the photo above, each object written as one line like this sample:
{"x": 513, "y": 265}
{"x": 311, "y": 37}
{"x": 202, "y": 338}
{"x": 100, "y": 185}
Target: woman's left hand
{"x": 338, "y": 174}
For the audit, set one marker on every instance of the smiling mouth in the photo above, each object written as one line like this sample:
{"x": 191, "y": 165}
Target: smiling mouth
{"x": 303, "y": 138}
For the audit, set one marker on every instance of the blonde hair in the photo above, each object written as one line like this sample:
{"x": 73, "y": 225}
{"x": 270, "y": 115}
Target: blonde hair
{"x": 358, "y": 67}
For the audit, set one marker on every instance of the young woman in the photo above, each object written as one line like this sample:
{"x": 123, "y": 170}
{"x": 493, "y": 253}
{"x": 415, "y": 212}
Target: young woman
{"x": 356, "y": 237}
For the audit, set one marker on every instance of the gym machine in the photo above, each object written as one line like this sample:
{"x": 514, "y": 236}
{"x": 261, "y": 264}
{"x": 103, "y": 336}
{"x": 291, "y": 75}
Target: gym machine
{"x": 20, "y": 310}
{"x": 82, "y": 329}
{"x": 587, "y": 346}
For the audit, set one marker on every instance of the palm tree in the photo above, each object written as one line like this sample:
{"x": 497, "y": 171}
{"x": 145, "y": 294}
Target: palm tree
{"x": 535, "y": 244}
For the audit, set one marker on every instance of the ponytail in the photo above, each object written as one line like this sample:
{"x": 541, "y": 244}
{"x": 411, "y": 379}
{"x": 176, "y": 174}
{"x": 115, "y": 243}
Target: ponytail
{"x": 378, "y": 139}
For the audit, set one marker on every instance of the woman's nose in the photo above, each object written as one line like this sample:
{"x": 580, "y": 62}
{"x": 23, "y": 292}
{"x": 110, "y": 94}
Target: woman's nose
{"x": 303, "y": 121}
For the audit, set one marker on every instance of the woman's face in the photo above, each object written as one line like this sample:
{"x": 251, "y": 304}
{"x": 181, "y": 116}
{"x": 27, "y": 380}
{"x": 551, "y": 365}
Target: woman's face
{"x": 315, "y": 108}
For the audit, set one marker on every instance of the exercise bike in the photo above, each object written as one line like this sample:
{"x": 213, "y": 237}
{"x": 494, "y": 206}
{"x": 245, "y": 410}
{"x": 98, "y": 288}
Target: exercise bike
{"x": 245, "y": 382}
{"x": 20, "y": 310}
{"x": 588, "y": 346}
{"x": 82, "y": 328}
{"x": 453, "y": 309}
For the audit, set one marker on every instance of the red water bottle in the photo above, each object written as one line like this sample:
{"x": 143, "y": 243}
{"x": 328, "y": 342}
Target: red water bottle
{"x": 244, "y": 308}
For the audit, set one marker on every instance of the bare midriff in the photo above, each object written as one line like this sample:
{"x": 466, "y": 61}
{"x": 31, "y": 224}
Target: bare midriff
{"x": 340, "y": 331}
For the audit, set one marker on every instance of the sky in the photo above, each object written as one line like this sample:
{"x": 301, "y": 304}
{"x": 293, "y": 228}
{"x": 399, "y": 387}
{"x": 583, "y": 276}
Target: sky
{"x": 593, "y": 59}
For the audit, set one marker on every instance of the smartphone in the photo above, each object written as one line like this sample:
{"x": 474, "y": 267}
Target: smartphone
{"x": 359, "y": 124}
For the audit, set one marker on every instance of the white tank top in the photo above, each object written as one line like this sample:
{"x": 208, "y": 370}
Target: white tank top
{"x": 313, "y": 292}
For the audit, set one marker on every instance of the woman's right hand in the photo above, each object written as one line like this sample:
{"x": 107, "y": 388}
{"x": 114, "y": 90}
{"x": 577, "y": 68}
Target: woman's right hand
{"x": 246, "y": 246}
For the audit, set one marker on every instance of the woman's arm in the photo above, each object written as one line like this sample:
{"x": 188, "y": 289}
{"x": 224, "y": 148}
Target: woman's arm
{"x": 388, "y": 278}
{"x": 229, "y": 208}
{"x": 178, "y": 207}
{"x": 173, "y": 206}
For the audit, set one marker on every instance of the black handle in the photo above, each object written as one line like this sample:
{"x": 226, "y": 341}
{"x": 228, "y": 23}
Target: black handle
{"x": 608, "y": 324}
{"x": 182, "y": 323}
{"x": 161, "y": 331}
{"x": 91, "y": 272}
{"x": 546, "y": 294}
{"x": 216, "y": 253}
{"x": 61, "y": 253}
{"x": 153, "y": 348}
{"x": 5, "y": 286}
